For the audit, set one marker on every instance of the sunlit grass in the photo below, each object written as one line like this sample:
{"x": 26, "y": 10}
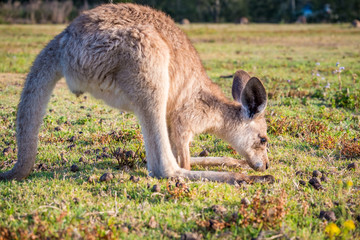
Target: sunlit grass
{"x": 309, "y": 130}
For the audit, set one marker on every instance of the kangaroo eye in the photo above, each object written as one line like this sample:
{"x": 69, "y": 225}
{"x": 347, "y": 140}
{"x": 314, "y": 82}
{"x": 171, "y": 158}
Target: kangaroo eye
{"x": 263, "y": 140}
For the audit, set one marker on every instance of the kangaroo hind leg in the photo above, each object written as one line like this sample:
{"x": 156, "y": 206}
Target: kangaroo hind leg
{"x": 148, "y": 92}
{"x": 152, "y": 116}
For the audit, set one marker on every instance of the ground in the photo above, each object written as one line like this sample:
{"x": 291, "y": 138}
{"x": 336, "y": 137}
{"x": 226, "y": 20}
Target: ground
{"x": 311, "y": 73}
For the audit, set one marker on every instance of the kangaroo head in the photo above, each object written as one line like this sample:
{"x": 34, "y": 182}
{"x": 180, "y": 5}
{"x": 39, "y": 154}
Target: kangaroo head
{"x": 249, "y": 137}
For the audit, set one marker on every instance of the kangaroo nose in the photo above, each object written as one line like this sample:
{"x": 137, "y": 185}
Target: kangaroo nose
{"x": 258, "y": 166}
{"x": 267, "y": 165}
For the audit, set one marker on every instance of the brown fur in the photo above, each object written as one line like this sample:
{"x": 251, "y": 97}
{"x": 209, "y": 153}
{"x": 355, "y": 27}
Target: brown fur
{"x": 137, "y": 59}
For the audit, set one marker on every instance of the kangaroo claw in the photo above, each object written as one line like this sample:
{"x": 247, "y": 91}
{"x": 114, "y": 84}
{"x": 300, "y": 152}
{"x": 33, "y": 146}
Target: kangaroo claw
{"x": 262, "y": 179}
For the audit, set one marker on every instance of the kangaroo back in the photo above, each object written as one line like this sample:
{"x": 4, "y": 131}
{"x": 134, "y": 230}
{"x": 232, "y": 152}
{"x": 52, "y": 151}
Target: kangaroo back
{"x": 38, "y": 87}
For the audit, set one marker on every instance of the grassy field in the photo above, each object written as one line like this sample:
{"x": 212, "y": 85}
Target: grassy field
{"x": 312, "y": 76}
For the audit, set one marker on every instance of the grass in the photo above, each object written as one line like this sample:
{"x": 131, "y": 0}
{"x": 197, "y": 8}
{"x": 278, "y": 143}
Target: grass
{"x": 312, "y": 124}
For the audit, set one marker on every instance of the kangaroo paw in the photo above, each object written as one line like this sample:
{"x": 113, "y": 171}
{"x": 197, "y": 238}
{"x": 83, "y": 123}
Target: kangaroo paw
{"x": 262, "y": 179}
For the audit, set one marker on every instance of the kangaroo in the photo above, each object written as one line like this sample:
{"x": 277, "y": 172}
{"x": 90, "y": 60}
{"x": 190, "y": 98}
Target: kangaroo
{"x": 136, "y": 59}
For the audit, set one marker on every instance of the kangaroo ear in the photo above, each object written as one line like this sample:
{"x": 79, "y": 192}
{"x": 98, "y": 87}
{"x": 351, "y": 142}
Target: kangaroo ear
{"x": 240, "y": 79}
{"x": 253, "y": 98}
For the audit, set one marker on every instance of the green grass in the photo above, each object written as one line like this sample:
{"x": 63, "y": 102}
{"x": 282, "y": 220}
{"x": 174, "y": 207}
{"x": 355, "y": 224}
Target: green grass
{"x": 311, "y": 127}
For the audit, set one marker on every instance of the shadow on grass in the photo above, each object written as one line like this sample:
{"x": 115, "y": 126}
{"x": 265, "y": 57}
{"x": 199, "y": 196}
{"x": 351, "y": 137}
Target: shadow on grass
{"x": 57, "y": 170}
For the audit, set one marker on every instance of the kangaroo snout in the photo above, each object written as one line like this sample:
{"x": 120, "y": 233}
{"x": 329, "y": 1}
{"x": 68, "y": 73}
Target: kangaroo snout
{"x": 259, "y": 163}
{"x": 260, "y": 166}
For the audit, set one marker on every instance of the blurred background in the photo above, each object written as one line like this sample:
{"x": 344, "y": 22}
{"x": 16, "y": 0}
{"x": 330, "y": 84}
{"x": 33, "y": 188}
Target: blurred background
{"x": 186, "y": 11}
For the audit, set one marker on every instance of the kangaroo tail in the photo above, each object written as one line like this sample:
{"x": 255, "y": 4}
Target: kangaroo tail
{"x": 39, "y": 85}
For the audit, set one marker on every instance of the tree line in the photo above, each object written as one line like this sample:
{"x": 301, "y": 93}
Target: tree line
{"x": 271, "y": 11}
